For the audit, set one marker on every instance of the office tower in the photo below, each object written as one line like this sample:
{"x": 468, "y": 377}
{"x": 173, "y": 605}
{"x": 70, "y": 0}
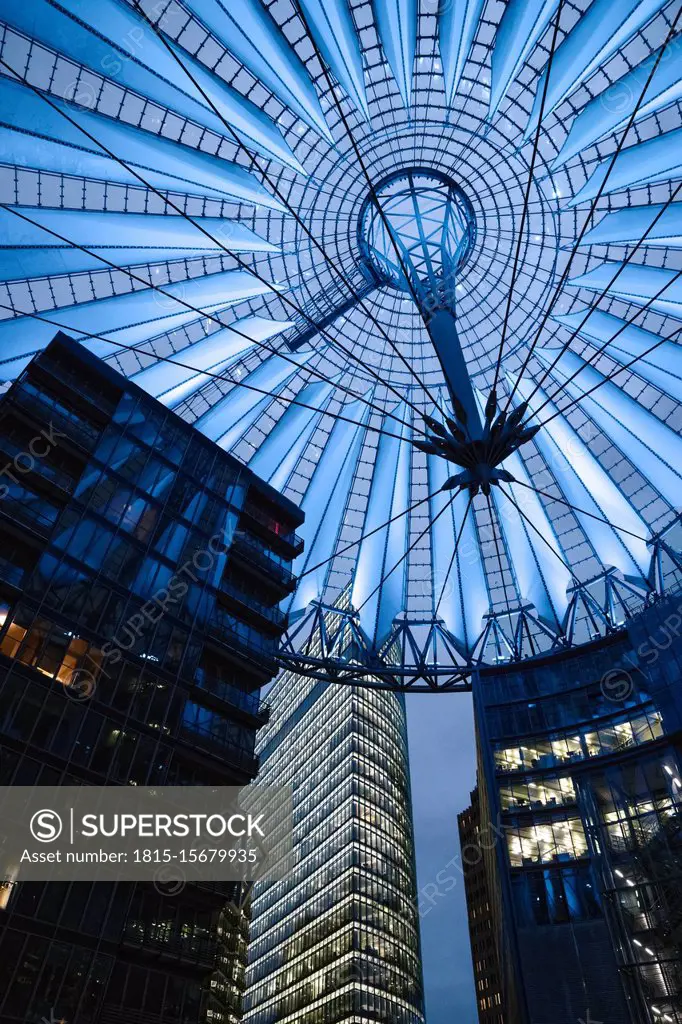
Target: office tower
{"x": 579, "y": 770}
{"x": 141, "y": 570}
{"x": 339, "y": 939}
{"x": 474, "y": 847}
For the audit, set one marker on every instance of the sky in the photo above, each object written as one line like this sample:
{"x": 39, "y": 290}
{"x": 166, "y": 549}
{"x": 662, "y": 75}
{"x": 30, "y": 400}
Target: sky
{"x": 443, "y": 768}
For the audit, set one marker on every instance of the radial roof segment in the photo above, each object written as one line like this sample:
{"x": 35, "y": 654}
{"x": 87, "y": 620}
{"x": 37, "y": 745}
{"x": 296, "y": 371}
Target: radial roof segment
{"x": 649, "y": 444}
{"x": 189, "y": 368}
{"x": 658, "y": 360}
{"x": 115, "y": 41}
{"x": 655, "y": 83}
{"x": 397, "y": 27}
{"x": 457, "y": 27}
{"x": 251, "y": 35}
{"x": 332, "y": 29}
{"x": 540, "y": 569}
{"x": 542, "y": 573}
{"x": 339, "y": 239}
{"x": 657, "y": 160}
{"x": 598, "y": 500}
{"x": 658, "y": 288}
{"x": 596, "y": 36}
{"x": 127, "y": 319}
{"x": 378, "y": 592}
{"x": 277, "y": 457}
{"x": 76, "y": 141}
{"x": 522, "y": 24}
{"x": 657, "y": 225}
{"x": 230, "y": 417}
{"x": 462, "y": 599}
{"x": 35, "y": 240}
{"x": 325, "y": 502}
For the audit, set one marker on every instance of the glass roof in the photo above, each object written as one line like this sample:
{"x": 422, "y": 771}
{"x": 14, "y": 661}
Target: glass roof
{"x": 183, "y": 187}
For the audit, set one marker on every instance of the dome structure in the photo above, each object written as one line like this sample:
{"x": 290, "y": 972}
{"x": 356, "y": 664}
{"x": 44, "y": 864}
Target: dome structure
{"x": 417, "y": 265}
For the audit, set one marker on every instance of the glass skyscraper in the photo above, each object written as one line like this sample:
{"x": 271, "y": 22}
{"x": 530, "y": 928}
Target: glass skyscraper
{"x": 339, "y": 939}
{"x": 479, "y": 900}
{"x": 580, "y": 759}
{"x": 141, "y": 570}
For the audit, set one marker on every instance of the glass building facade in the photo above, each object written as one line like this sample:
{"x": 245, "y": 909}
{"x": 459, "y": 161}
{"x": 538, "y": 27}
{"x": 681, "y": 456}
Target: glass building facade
{"x": 579, "y": 773}
{"x": 141, "y": 570}
{"x": 338, "y": 940}
{"x": 484, "y": 955}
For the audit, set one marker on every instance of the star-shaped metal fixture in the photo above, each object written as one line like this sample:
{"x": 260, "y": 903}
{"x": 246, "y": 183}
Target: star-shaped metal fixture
{"x": 479, "y": 451}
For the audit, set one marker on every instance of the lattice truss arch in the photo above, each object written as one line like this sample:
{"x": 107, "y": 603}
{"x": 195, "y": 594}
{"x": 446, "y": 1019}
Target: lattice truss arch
{"x": 210, "y": 221}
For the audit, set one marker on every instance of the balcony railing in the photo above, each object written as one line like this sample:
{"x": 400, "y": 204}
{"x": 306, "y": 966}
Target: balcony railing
{"x": 29, "y": 515}
{"x": 82, "y": 387}
{"x": 235, "y": 637}
{"x": 11, "y": 573}
{"x": 255, "y": 553}
{"x": 195, "y": 949}
{"x": 273, "y": 614}
{"x": 203, "y": 738}
{"x": 48, "y": 412}
{"x": 249, "y": 702}
{"x": 289, "y": 537}
{"x": 57, "y": 476}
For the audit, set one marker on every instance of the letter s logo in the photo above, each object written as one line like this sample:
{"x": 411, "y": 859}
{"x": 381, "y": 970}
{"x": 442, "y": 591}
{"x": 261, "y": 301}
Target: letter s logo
{"x": 46, "y": 826}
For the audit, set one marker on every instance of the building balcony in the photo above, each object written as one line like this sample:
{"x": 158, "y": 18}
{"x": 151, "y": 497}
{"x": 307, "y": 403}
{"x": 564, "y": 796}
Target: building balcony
{"x": 232, "y": 695}
{"x": 273, "y": 530}
{"x": 55, "y": 476}
{"x": 77, "y": 383}
{"x": 114, "y": 1014}
{"x": 255, "y": 557}
{"x": 12, "y": 574}
{"x": 203, "y": 739}
{"x": 243, "y": 640}
{"x": 32, "y": 516}
{"x": 43, "y": 411}
{"x": 236, "y": 944}
{"x": 525, "y": 806}
{"x": 189, "y": 950}
{"x": 273, "y": 615}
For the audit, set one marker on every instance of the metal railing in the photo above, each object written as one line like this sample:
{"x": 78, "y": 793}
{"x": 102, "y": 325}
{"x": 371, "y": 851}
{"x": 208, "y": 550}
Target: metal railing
{"x": 272, "y": 524}
{"x": 28, "y": 515}
{"x": 274, "y": 614}
{"x": 40, "y": 465}
{"x": 226, "y": 631}
{"x": 49, "y": 412}
{"x": 257, "y": 554}
{"x": 231, "y": 694}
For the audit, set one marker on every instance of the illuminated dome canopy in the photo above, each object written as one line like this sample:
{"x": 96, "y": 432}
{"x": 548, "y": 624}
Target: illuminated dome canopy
{"x": 418, "y": 267}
